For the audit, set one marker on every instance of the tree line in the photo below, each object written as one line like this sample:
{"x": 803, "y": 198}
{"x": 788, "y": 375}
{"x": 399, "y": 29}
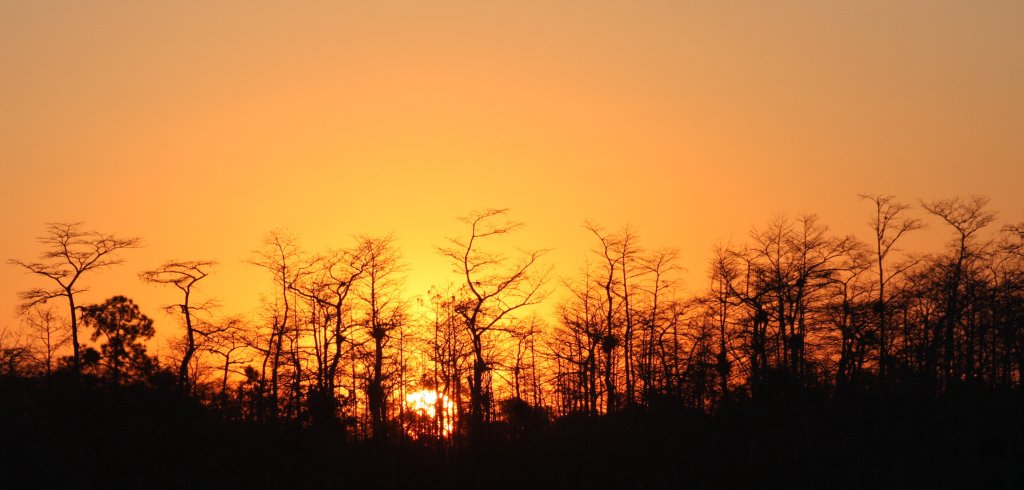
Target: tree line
{"x": 338, "y": 344}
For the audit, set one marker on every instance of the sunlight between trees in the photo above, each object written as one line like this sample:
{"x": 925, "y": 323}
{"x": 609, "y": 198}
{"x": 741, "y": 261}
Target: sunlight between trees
{"x": 339, "y": 344}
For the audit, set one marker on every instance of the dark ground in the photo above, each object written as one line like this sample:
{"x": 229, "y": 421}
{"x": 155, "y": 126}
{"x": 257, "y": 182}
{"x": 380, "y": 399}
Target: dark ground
{"x": 73, "y": 435}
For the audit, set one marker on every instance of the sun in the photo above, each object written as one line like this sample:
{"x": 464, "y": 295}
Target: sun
{"x": 431, "y": 413}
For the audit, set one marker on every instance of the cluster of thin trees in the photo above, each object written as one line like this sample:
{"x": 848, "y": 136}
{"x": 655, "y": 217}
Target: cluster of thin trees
{"x": 799, "y": 307}
{"x": 339, "y": 344}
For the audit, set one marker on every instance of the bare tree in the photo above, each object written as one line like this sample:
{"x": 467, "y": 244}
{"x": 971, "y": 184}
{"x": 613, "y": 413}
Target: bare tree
{"x": 340, "y": 271}
{"x": 627, "y": 252}
{"x": 796, "y": 260}
{"x": 280, "y": 255}
{"x": 524, "y": 361}
{"x": 659, "y": 266}
{"x": 183, "y": 275}
{"x": 576, "y": 346}
{"x": 70, "y": 252}
{"x": 609, "y": 252}
{"x": 889, "y": 223}
{"x": 494, "y": 290}
{"x": 848, "y": 311}
{"x": 51, "y": 333}
{"x": 744, "y": 282}
{"x": 967, "y": 217}
{"x": 722, "y": 270}
{"x": 228, "y": 342}
{"x": 1013, "y": 243}
{"x": 450, "y": 352}
{"x": 385, "y": 312}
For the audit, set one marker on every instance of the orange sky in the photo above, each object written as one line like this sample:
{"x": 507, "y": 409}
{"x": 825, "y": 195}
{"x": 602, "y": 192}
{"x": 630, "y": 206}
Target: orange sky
{"x": 200, "y": 126}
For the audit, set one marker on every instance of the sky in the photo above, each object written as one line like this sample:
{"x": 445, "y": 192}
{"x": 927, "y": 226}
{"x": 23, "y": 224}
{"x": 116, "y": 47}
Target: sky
{"x": 201, "y": 126}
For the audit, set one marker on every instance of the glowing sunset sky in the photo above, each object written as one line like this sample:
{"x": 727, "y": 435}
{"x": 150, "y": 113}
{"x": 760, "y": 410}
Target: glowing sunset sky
{"x": 200, "y": 126}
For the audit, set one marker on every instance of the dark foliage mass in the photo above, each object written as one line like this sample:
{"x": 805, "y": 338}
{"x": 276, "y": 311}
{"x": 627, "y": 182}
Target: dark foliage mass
{"x": 812, "y": 360}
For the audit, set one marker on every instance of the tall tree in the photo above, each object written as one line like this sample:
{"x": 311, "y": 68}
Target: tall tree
{"x": 745, "y": 283}
{"x": 183, "y": 275}
{"x": 227, "y": 341}
{"x": 721, "y": 274}
{"x": 340, "y": 270}
{"x": 51, "y": 333}
{"x": 70, "y": 251}
{"x": 967, "y": 217}
{"x": 576, "y": 346}
{"x": 611, "y": 246}
{"x": 660, "y": 267}
{"x": 326, "y": 291}
{"x": 848, "y": 310}
{"x": 385, "y": 312}
{"x": 494, "y": 290}
{"x": 280, "y": 256}
{"x": 889, "y": 224}
{"x": 450, "y": 355}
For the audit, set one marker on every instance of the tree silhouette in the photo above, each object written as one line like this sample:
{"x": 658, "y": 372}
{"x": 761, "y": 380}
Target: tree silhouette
{"x": 809, "y": 357}
{"x": 51, "y": 333}
{"x": 183, "y": 275}
{"x": 889, "y": 224}
{"x": 576, "y": 345}
{"x": 327, "y": 289}
{"x": 494, "y": 290}
{"x": 14, "y": 353}
{"x": 611, "y": 253}
{"x": 385, "y": 313}
{"x": 450, "y": 353}
{"x": 227, "y": 341}
{"x": 967, "y": 217}
{"x": 280, "y": 256}
{"x": 119, "y": 321}
{"x": 69, "y": 253}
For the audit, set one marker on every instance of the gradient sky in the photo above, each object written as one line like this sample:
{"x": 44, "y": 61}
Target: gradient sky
{"x": 200, "y": 126}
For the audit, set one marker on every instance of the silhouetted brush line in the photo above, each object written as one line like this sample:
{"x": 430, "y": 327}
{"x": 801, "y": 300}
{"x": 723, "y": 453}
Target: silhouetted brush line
{"x": 812, "y": 358}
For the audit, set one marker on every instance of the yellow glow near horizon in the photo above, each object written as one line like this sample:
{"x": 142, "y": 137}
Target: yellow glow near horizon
{"x": 427, "y": 404}
{"x": 200, "y": 126}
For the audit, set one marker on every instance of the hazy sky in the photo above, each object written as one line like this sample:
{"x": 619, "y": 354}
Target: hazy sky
{"x": 200, "y": 126}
